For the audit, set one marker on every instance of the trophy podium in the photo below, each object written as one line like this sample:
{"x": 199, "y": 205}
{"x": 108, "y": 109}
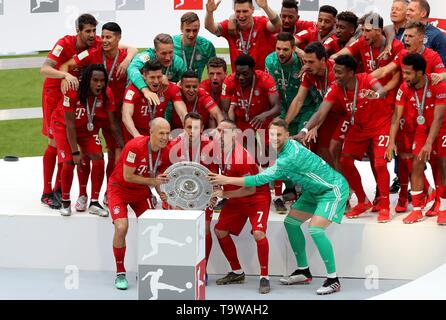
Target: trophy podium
{"x": 171, "y": 243}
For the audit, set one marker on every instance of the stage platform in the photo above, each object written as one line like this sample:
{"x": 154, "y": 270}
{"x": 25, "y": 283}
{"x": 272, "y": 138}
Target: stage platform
{"x": 34, "y": 236}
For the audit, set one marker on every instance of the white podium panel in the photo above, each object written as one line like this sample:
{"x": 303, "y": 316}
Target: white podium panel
{"x": 171, "y": 255}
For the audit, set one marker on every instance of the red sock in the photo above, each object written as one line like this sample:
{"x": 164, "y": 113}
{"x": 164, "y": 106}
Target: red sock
{"x": 437, "y": 179}
{"x": 418, "y": 200}
{"x": 67, "y": 180}
{"x": 383, "y": 180}
{"x": 208, "y": 246}
{"x": 353, "y": 178}
{"x": 228, "y": 247}
{"x": 278, "y": 188}
{"x": 403, "y": 174}
{"x": 110, "y": 164}
{"x": 58, "y": 184}
{"x": 119, "y": 258}
{"x": 375, "y": 174}
{"x": 49, "y": 163}
{"x": 83, "y": 173}
{"x": 263, "y": 253}
{"x": 97, "y": 177}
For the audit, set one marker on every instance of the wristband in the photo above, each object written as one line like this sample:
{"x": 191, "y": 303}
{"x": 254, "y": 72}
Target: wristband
{"x": 75, "y": 153}
{"x": 304, "y": 130}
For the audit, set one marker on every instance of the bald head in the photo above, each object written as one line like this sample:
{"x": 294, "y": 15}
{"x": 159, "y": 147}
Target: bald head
{"x": 159, "y": 133}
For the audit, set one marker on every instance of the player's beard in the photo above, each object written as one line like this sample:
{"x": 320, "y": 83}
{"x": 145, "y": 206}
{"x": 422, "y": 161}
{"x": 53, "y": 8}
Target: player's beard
{"x": 287, "y": 60}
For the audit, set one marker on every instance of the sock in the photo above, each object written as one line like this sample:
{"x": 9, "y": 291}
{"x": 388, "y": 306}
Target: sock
{"x": 353, "y": 178}
{"x": 403, "y": 171}
{"x": 263, "y": 253}
{"x": 278, "y": 188}
{"x": 383, "y": 181}
{"x": 297, "y": 240}
{"x": 83, "y": 173}
{"x": 228, "y": 247}
{"x": 332, "y": 275}
{"x": 417, "y": 199}
{"x": 49, "y": 162}
{"x": 58, "y": 184}
{"x": 437, "y": 179}
{"x": 67, "y": 180}
{"x": 208, "y": 246}
{"x": 119, "y": 258}
{"x": 97, "y": 177}
{"x": 110, "y": 164}
{"x": 324, "y": 247}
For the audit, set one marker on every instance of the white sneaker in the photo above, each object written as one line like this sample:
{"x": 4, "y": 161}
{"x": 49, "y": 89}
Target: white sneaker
{"x": 97, "y": 210}
{"x": 297, "y": 277}
{"x": 66, "y": 212}
{"x": 81, "y": 203}
{"x": 331, "y": 285}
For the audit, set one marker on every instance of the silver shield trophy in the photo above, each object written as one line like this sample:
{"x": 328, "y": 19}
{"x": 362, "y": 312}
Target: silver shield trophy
{"x": 188, "y": 186}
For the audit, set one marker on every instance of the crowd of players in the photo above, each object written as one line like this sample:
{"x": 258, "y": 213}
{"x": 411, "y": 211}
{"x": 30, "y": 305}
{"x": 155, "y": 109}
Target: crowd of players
{"x": 344, "y": 87}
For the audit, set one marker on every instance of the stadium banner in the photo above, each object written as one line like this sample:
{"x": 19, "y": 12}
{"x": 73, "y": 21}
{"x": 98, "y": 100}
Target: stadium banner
{"x": 34, "y": 25}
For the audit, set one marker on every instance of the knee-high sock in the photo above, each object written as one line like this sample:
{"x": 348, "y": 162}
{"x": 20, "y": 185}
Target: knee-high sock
{"x": 383, "y": 180}
{"x": 353, "y": 178}
{"x": 58, "y": 184}
{"x": 49, "y": 163}
{"x": 324, "y": 247}
{"x": 208, "y": 245}
{"x": 278, "y": 188}
{"x": 263, "y": 254}
{"x": 83, "y": 173}
{"x": 97, "y": 177}
{"x": 375, "y": 173}
{"x": 119, "y": 254}
{"x": 437, "y": 179}
{"x": 228, "y": 247}
{"x": 67, "y": 180}
{"x": 403, "y": 175}
{"x": 297, "y": 240}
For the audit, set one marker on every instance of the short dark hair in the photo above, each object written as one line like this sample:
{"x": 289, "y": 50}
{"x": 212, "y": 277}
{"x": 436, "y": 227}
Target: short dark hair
{"x": 424, "y": 6}
{"x": 189, "y": 17}
{"x": 190, "y": 74}
{"x": 152, "y": 65}
{"x": 349, "y": 17}
{"x": 85, "y": 19}
{"x": 193, "y": 115}
{"x": 162, "y": 38}
{"x": 347, "y": 61}
{"x": 113, "y": 27}
{"x": 279, "y": 122}
{"x": 245, "y": 60}
{"x": 84, "y": 85}
{"x": 286, "y": 36}
{"x": 317, "y": 48}
{"x": 415, "y": 60}
{"x": 290, "y": 4}
{"x": 216, "y": 62}
{"x": 421, "y": 27}
{"x": 243, "y": 1}
{"x": 374, "y": 19}
{"x": 329, "y": 9}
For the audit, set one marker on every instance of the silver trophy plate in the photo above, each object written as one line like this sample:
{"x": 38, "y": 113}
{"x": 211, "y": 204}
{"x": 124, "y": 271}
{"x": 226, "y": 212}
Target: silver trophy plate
{"x": 188, "y": 186}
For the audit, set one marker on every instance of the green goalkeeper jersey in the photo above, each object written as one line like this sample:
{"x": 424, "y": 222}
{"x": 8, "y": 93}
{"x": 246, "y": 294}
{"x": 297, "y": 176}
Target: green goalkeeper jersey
{"x": 301, "y": 166}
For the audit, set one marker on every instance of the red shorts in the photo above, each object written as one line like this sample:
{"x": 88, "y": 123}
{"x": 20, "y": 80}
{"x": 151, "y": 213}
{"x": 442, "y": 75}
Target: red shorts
{"x": 118, "y": 200}
{"x": 404, "y": 141}
{"x": 341, "y": 130}
{"x": 50, "y": 99}
{"x": 438, "y": 147}
{"x": 89, "y": 142}
{"x": 234, "y": 214}
{"x": 327, "y": 130}
{"x": 358, "y": 142}
{"x": 104, "y": 124}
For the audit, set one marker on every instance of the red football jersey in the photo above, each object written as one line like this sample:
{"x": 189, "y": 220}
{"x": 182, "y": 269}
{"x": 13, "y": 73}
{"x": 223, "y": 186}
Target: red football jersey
{"x": 307, "y": 36}
{"x": 204, "y": 104}
{"x": 433, "y": 59}
{"x": 304, "y": 25}
{"x": 206, "y": 85}
{"x": 332, "y": 45}
{"x": 264, "y": 87}
{"x": 405, "y": 97}
{"x": 369, "y": 114}
{"x": 71, "y": 103}
{"x": 142, "y": 114}
{"x": 240, "y": 163}
{"x": 64, "y": 49}
{"x": 95, "y": 56}
{"x": 136, "y": 155}
{"x": 261, "y": 44}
